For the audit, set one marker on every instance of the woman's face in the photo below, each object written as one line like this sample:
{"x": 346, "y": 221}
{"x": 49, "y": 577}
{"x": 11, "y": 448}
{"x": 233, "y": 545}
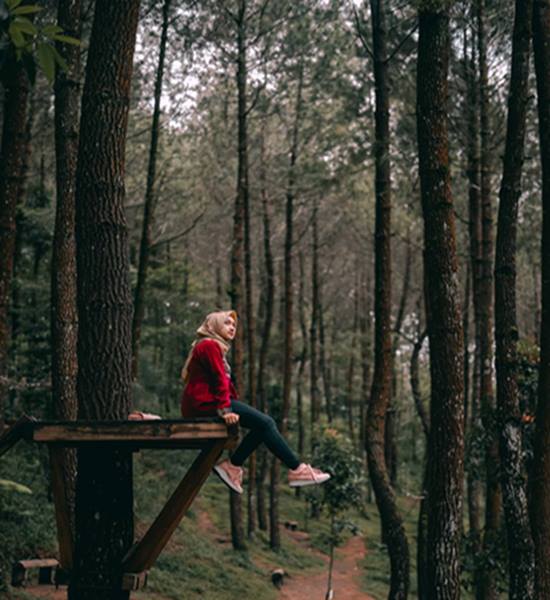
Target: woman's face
{"x": 229, "y": 328}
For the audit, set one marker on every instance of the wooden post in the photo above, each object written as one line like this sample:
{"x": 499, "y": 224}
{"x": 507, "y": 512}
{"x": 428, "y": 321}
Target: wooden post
{"x": 62, "y": 517}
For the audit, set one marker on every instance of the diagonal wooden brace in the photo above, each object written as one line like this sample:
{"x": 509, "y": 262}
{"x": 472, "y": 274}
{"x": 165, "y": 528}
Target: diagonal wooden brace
{"x": 143, "y": 554}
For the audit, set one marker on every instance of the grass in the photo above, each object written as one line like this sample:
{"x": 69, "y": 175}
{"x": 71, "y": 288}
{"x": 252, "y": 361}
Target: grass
{"x": 195, "y": 564}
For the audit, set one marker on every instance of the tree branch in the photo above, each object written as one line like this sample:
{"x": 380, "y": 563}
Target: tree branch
{"x": 176, "y": 236}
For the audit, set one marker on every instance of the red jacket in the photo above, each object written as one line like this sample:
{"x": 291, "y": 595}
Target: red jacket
{"x": 209, "y": 387}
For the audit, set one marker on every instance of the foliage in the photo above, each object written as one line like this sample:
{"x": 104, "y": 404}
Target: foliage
{"x": 22, "y": 39}
{"x": 334, "y": 454}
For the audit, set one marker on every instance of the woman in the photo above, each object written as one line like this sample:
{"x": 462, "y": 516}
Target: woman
{"x": 209, "y": 392}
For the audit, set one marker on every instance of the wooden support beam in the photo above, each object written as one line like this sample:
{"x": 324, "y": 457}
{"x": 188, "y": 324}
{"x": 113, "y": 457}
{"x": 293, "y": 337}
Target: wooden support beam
{"x": 143, "y": 554}
{"x": 62, "y": 514}
{"x": 18, "y": 430}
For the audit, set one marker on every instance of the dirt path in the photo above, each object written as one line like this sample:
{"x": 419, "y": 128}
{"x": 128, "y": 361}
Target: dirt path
{"x": 297, "y": 586}
{"x": 345, "y": 578}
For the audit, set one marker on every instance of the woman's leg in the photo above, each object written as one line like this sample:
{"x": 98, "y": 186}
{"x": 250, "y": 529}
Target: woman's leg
{"x": 262, "y": 429}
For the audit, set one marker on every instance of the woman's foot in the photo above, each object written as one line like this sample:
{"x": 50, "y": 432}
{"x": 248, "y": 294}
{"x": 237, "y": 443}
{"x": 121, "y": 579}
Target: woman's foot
{"x": 231, "y": 475}
{"x": 305, "y": 474}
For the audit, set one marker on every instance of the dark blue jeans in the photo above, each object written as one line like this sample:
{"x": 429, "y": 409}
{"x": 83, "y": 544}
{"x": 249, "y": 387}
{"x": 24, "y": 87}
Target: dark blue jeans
{"x": 262, "y": 429}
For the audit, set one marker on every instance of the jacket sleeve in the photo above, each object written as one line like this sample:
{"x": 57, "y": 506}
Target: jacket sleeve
{"x": 210, "y": 356}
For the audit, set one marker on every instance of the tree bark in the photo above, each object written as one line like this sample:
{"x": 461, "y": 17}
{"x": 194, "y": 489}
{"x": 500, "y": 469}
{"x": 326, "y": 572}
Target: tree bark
{"x": 150, "y": 199}
{"x": 104, "y": 511}
{"x": 12, "y": 160}
{"x": 392, "y": 524}
{"x": 475, "y": 235}
{"x": 269, "y": 299}
{"x": 540, "y": 482}
{"x": 513, "y": 476}
{"x": 314, "y": 327}
{"x": 237, "y": 248}
{"x": 446, "y": 444}
{"x": 288, "y": 298}
{"x": 64, "y": 316}
{"x": 493, "y": 497}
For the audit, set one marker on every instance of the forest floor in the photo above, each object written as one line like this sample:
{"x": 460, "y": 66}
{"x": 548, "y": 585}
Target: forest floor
{"x": 307, "y": 584}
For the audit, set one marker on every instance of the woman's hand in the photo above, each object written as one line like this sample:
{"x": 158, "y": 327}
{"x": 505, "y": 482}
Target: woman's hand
{"x": 230, "y": 418}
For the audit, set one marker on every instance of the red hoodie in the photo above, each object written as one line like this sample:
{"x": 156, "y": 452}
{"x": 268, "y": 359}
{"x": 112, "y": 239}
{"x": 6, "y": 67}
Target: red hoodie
{"x": 209, "y": 387}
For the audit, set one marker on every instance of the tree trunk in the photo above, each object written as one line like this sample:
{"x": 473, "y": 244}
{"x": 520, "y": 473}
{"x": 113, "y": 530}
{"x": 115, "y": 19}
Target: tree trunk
{"x": 351, "y": 364}
{"x": 540, "y": 483}
{"x": 493, "y": 498}
{"x": 104, "y": 511}
{"x": 12, "y": 159}
{"x": 288, "y": 297}
{"x": 237, "y": 248}
{"x": 269, "y": 299}
{"x": 64, "y": 317}
{"x": 314, "y": 327}
{"x": 323, "y": 363}
{"x": 364, "y": 328}
{"x": 475, "y": 235}
{"x": 150, "y": 199}
{"x": 302, "y": 363}
{"x": 446, "y": 444}
{"x": 513, "y": 476}
{"x": 392, "y": 524}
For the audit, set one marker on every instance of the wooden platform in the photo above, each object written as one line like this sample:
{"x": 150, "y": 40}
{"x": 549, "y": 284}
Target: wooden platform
{"x": 211, "y": 436}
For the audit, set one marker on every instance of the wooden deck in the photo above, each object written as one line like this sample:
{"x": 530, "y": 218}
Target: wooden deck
{"x": 211, "y": 436}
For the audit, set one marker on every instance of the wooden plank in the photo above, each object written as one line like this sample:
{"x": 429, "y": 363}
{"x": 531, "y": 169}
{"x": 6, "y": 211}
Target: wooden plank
{"x": 62, "y": 516}
{"x": 18, "y": 430}
{"x": 45, "y": 566}
{"x": 134, "y": 581}
{"x": 128, "y": 431}
{"x": 143, "y": 554}
{"x": 36, "y": 563}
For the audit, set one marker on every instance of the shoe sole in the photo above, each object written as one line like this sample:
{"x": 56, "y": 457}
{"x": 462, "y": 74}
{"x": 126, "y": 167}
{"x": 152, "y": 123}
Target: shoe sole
{"x": 305, "y": 483}
{"x": 223, "y": 476}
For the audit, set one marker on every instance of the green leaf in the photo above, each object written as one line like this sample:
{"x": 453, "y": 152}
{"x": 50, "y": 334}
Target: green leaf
{"x": 11, "y": 4}
{"x": 26, "y": 10}
{"x": 46, "y": 60}
{"x": 16, "y": 36}
{"x": 25, "y": 26}
{"x": 67, "y": 39}
{"x": 14, "y": 486}
{"x": 50, "y": 30}
{"x": 59, "y": 59}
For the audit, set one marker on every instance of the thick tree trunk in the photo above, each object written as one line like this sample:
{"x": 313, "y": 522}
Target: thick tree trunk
{"x": 540, "y": 498}
{"x": 392, "y": 524}
{"x": 64, "y": 317}
{"x": 12, "y": 159}
{"x": 446, "y": 444}
{"x": 104, "y": 511}
{"x": 513, "y": 476}
{"x": 150, "y": 199}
